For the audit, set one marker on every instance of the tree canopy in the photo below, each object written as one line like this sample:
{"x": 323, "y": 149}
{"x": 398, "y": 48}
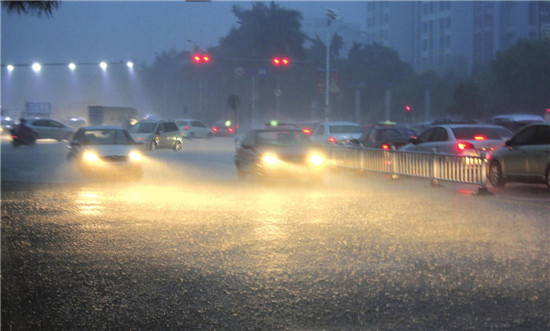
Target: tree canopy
{"x": 37, "y": 8}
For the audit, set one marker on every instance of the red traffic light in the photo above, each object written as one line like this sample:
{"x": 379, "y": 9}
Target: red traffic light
{"x": 408, "y": 108}
{"x": 280, "y": 61}
{"x": 201, "y": 58}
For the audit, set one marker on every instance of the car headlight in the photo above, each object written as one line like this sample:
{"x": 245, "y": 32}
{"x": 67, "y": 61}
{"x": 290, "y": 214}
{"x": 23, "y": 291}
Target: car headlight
{"x": 135, "y": 156}
{"x": 316, "y": 159}
{"x": 270, "y": 159}
{"x": 90, "y": 156}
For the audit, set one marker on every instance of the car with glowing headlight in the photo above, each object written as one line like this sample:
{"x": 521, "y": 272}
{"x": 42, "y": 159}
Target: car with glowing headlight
{"x": 106, "y": 150}
{"x": 279, "y": 152}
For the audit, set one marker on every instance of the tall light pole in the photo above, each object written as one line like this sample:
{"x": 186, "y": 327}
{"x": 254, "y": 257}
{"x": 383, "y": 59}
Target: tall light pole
{"x": 331, "y": 15}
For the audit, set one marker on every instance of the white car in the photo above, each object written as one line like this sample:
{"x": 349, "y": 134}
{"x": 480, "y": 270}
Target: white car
{"x": 50, "y": 129}
{"x": 459, "y": 139}
{"x": 192, "y": 128}
{"x": 106, "y": 150}
{"x": 336, "y": 133}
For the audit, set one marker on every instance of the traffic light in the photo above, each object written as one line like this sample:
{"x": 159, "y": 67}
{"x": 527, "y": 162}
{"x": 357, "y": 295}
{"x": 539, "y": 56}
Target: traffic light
{"x": 280, "y": 61}
{"x": 408, "y": 109}
{"x": 199, "y": 58}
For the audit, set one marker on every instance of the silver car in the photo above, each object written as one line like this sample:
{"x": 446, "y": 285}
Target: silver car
{"x": 47, "y": 128}
{"x": 459, "y": 139}
{"x": 157, "y": 134}
{"x": 336, "y": 133}
{"x": 192, "y": 128}
{"x": 525, "y": 158}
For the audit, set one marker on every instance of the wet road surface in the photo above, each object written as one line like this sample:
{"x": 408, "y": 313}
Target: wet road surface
{"x": 197, "y": 249}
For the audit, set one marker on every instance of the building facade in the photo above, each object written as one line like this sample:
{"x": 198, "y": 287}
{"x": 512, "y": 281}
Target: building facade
{"x": 453, "y": 36}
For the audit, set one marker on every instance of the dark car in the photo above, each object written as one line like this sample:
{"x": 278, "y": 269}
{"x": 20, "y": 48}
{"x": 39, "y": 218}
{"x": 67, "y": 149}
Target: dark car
{"x": 224, "y": 129}
{"x": 279, "y": 152}
{"x": 385, "y": 136}
{"x": 525, "y": 158}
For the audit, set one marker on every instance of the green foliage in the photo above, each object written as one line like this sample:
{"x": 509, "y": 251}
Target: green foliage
{"x": 468, "y": 101}
{"x": 519, "y": 78}
{"x": 31, "y": 7}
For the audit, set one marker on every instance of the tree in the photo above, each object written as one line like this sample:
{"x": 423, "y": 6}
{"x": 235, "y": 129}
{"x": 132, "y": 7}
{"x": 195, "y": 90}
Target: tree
{"x": 31, "y": 7}
{"x": 468, "y": 101}
{"x": 519, "y": 79}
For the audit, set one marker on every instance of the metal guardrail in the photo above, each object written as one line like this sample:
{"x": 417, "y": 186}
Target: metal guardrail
{"x": 437, "y": 167}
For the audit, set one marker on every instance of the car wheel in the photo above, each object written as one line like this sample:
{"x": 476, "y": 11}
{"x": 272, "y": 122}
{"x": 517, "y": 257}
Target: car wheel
{"x": 178, "y": 146}
{"x": 495, "y": 174}
{"x": 153, "y": 146}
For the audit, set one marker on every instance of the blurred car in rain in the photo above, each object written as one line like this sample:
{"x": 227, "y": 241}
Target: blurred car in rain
{"x": 47, "y": 128}
{"x": 106, "y": 150}
{"x": 336, "y": 133}
{"x": 525, "y": 158}
{"x": 7, "y": 124}
{"x": 75, "y": 122}
{"x": 514, "y": 122}
{"x": 192, "y": 128}
{"x": 155, "y": 134}
{"x": 306, "y": 127}
{"x": 224, "y": 128}
{"x": 384, "y": 135}
{"x": 279, "y": 152}
{"x": 459, "y": 139}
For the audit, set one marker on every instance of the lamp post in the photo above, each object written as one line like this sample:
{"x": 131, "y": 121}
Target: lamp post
{"x": 331, "y": 15}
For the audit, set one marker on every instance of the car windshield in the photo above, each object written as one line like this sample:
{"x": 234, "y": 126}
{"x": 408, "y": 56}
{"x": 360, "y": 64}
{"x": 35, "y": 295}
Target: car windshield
{"x": 282, "y": 138}
{"x": 144, "y": 128}
{"x": 107, "y": 137}
{"x": 345, "y": 129}
{"x": 474, "y": 133}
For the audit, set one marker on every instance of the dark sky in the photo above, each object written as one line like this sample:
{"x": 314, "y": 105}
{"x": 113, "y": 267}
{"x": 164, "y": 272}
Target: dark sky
{"x": 97, "y": 30}
{"x": 115, "y": 32}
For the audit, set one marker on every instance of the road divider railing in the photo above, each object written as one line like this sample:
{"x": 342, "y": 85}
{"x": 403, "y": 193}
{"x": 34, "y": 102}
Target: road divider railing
{"x": 436, "y": 167}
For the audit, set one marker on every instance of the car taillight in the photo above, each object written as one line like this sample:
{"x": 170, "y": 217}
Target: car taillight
{"x": 332, "y": 140}
{"x": 215, "y": 129}
{"x": 479, "y": 138}
{"x": 187, "y": 127}
{"x": 386, "y": 147}
{"x": 462, "y": 146}
{"x": 306, "y": 131}
{"x": 230, "y": 129}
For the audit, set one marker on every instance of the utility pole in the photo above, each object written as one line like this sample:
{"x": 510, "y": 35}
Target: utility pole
{"x": 331, "y": 15}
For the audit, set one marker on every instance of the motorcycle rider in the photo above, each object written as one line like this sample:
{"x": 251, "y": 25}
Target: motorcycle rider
{"x": 24, "y": 133}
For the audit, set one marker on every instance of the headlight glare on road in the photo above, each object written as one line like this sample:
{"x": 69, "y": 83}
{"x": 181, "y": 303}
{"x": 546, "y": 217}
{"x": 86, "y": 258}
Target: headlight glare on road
{"x": 90, "y": 156}
{"x": 135, "y": 156}
{"x": 270, "y": 159}
{"x": 316, "y": 159}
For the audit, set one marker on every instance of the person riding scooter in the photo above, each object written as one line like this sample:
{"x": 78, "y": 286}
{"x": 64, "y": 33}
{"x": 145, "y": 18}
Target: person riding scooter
{"x": 22, "y": 134}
